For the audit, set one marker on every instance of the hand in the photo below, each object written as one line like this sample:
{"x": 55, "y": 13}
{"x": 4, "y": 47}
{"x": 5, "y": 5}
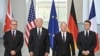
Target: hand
{"x": 31, "y": 54}
{"x": 46, "y": 54}
{"x": 12, "y": 52}
{"x": 88, "y": 52}
{"x": 85, "y": 53}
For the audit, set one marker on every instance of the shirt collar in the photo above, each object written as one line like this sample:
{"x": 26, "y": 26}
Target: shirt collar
{"x": 13, "y": 30}
{"x": 63, "y": 32}
{"x": 85, "y": 31}
{"x": 39, "y": 28}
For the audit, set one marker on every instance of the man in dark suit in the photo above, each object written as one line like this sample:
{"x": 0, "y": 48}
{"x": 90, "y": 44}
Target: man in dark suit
{"x": 62, "y": 42}
{"x": 13, "y": 41}
{"x": 39, "y": 40}
{"x": 86, "y": 40}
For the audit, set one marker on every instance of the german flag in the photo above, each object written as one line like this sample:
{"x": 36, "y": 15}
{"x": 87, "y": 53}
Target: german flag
{"x": 72, "y": 22}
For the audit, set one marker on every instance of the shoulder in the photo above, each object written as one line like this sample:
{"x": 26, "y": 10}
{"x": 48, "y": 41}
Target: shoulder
{"x": 81, "y": 32}
{"x": 33, "y": 29}
{"x": 57, "y": 34}
{"x": 69, "y": 33}
{"x": 19, "y": 32}
{"x": 92, "y": 32}
{"x": 44, "y": 29}
{"x": 8, "y": 31}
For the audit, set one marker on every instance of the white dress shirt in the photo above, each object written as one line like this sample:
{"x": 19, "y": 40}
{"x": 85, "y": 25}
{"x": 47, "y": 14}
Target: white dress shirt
{"x": 14, "y": 32}
{"x": 64, "y": 35}
{"x": 85, "y": 32}
{"x": 40, "y": 31}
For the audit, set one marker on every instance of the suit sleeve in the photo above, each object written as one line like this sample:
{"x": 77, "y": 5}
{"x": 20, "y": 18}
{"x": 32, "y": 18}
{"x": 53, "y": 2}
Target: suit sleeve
{"x": 47, "y": 42}
{"x": 79, "y": 43}
{"x": 72, "y": 45}
{"x": 6, "y": 42}
{"x": 20, "y": 42}
{"x": 30, "y": 42}
{"x": 94, "y": 43}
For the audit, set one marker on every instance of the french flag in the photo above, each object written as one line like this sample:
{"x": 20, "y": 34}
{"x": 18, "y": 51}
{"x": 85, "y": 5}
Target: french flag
{"x": 92, "y": 18}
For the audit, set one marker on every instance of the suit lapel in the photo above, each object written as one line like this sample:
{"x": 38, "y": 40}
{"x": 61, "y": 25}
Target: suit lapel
{"x": 61, "y": 37}
{"x": 36, "y": 32}
{"x": 42, "y": 32}
{"x": 89, "y": 33}
{"x": 67, "y": 36}
{"x": 11, "y": 35}
{"x": 16, "y": 34}
{"x": 83, "y": 33}
{"x": 11, "y": 38}
{"x": 15, "y": 37}
{"x": 39, "y": 37}
{"x": 84, "y": 36}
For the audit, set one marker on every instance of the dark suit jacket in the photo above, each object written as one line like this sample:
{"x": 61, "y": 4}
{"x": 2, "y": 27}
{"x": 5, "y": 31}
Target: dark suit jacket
{"x": 11, "y": 43}
{"x": 60, "y": 47}
{"x": 39, "y": 45}
{"x": 86, "y": 43}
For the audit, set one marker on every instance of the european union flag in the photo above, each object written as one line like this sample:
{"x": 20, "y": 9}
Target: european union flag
{"x": 53, "y": 24}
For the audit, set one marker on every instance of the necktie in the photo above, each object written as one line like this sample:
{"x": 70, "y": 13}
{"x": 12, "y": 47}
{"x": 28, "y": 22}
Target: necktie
{"x": 64, "y": 38}
{"x": 39, "y": 34}
{"x": 13, "y": 34}
{"x": 86, "y": 34}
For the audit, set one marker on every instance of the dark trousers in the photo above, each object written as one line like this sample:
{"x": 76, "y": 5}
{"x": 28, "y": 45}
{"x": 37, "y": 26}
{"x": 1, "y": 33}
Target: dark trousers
{"x": 64, "y": 55}
{"x": 40, "y": 54}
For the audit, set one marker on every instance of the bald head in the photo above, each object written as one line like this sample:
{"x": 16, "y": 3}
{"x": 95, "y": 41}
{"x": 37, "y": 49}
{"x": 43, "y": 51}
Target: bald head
{"x": 39, "y": 22}
{"x": 63, "y": 26}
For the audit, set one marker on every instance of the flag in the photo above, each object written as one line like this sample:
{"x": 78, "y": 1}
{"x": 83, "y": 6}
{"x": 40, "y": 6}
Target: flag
{"x": 31, "y": 22}
{"x": 72, "y": 22}
{"x": 92, "y": 18}
{"x": 53, "y": 25}
{"x": 8, "y": 17}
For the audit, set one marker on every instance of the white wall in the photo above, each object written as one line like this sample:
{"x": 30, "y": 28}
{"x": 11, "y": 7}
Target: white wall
{"x": 97, "y": 6}
{"x": 3, "y": 4}
{"x": 19, "y": 13}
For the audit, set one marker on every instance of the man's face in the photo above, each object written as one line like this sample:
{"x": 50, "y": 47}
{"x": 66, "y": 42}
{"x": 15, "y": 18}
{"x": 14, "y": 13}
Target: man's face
{"x": 13, "y": 25}
{"x": 86, "y": 26}
{"x": 39, "y": 23}
{"x": 63, "y": 27}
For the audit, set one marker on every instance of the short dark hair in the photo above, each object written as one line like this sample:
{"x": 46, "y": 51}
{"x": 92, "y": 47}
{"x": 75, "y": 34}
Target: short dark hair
{"x": 88, "y": 21}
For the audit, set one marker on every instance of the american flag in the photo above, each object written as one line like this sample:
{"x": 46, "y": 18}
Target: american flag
{"x": 31, "y": 22}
